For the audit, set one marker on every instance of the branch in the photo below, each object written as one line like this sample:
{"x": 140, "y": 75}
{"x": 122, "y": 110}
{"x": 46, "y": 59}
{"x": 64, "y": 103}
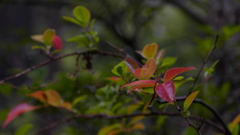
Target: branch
{"x": 54, "y": 59}
{"x": 91, "y": 116}
{"x": 203, "y": 64}
{"x": 226, "y": 130}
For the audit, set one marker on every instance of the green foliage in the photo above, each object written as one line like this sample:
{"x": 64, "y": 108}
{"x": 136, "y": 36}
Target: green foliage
{"x": 122, "y": 104}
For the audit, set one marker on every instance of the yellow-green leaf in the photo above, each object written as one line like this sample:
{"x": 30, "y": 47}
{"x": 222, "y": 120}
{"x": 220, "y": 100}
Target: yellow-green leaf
{"x": 234, "y": 122}
{"x": 38, "y": 38}
{"x": 72, "y": 20}
{"x": 48, "y": 36}
{"x": 189, "y": 100}
{"x": 82, "y": 14}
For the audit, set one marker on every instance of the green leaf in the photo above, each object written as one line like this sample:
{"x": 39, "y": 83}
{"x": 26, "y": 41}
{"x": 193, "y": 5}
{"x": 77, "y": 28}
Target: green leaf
{"x": 189, "y": 100}
{"x": 82, "y": 14}
{"x": 107, "y": 129}
{"x": 168, "y": 62}
{"x": 38, "y": 38}
{"x": 178, "y": 81}
{"x": 91, "y": 24}
{"x": 72, "y": 20}
{"x": 77, "y": 100}
{"x": 48, "y": 36}
{"x": 82, "y": 39}
{"x": 119, "y": 69}
{"x": 209, "y": 71}
{"x": 23, "y": 130}
{"x": 38, "y": 47}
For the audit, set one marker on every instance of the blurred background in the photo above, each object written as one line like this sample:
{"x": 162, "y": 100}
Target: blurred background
{"x": 186, "y": 29}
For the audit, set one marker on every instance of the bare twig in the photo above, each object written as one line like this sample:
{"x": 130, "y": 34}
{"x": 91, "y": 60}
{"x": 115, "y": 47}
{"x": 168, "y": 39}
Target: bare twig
{"x": 203, "y": 64}
{"x": 90, "y": 116}
{"x": 118, "y": 49}
{"x": 54, "y": 59}
{"x": 199, "y": 101}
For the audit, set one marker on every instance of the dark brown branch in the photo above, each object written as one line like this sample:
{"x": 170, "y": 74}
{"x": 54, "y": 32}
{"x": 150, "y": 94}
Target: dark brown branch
{"x": 54, "y": 59}
{"x": 203, "y": 64}
{"x": 226, "y": 130}
{"x": 91, "y": 116}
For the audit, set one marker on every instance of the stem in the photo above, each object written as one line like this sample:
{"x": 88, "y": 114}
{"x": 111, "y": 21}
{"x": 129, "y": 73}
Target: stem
{"x": 203, "y": 64}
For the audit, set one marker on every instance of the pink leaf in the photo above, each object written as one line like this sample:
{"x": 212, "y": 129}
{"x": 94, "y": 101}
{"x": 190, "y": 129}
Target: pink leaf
{"x": 17, "y": 110}
{"x": 140, "y": 82}
{"x": 166, "y": 91}
{"x": 131, "y": 63}
{"x": 171, "y": 73}
{"x": 57, "y": 42}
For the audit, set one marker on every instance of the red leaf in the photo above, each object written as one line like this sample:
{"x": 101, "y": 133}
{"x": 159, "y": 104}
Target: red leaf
{"x": 146, "y": 71}
{"x": 57, "y": 42}
{"x": 17, "y": 110}
{"x": 140, "y": 84}
{"x": 131, "y": 63}
{"x": 166, "y": 91}
{"x": 40, "y": 95}
{"x": 171, "y": 73}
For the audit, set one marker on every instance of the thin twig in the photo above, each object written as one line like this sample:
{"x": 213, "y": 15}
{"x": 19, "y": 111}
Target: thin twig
{"x": 226, "y": 130}
{"x": 118, "y": 49}
{"x": 91, "y": 116}
{"x": 203, "y": 64}
{"x": 54, "y": 59}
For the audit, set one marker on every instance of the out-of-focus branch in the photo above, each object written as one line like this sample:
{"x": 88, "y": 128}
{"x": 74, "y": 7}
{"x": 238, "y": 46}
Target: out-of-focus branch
{"x": 188, "y": 10}
{"x": 91, "y": 116}
{"x": 54, "y": 59}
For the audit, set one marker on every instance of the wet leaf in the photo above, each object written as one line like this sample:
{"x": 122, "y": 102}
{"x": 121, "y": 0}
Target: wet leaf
{"x": 166, "y": 91}
{"x": 173, "y": 72}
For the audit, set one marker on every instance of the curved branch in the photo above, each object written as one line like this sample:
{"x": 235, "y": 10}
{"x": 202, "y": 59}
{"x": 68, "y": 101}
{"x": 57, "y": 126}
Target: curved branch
{"x": 91, "y": 116}
{"x": 226, "y": 130}
{"x": 54, "y": 59}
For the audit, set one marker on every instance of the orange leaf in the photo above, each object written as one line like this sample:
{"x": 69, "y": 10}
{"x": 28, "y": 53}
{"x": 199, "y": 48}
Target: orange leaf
{"x": 67, "y": 105}
{"x": 234, "y": 122}
{"x": 146, "y": 71}
{"x": 40, "y": 95}
{"x": 17, "y": 110}
{"x": 150, "y": 50}
{"x": 171, "y": 73}
{"x": 53, "y": 98}
{"x": 166, "y": 91}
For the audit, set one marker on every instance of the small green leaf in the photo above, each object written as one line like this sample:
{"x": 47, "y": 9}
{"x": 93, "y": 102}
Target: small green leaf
{"x": 48, "y": 36}
{"x": 185, "y": 113}
{"x": 168, "y": 62}
{"x": 91, "y": 24}
{"x": 82, "y": 14}
{"x": 119, "y": 68}
{"x": 107, "y": 129}
{"x": 23, "y": 130}
{"x": 189, "y": 100}
{"x": 77, "y": 100}
{"x": 82, "y": 39}
{"x": 38, "y": 47}
{"x": 178, "y": 81}
{"x": 72, "y": 20}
